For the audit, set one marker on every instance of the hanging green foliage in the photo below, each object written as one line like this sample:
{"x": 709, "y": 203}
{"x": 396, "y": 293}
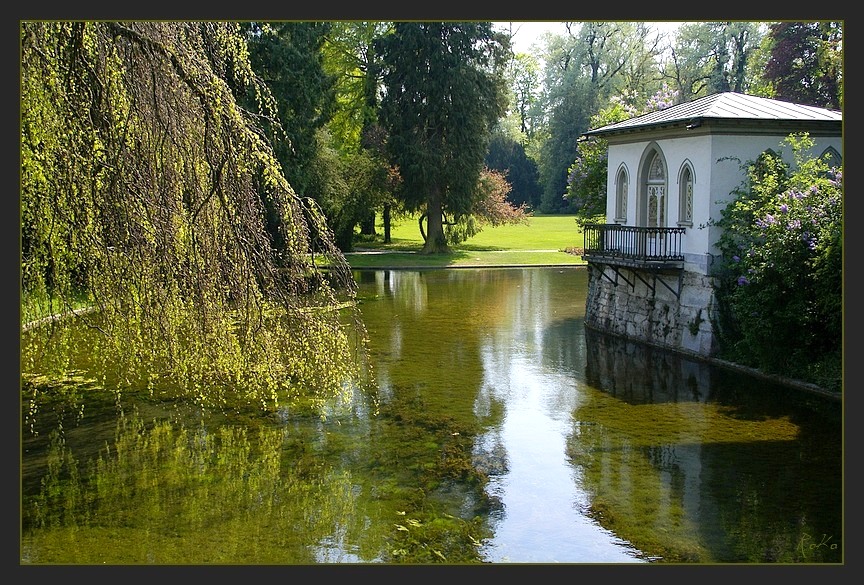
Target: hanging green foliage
{"x": 143, "y": 194}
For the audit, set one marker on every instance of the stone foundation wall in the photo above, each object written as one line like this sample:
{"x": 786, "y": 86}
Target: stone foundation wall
{"x": 655, "y": 317}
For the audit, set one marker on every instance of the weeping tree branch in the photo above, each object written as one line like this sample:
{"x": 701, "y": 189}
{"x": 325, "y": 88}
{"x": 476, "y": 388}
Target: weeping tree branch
{"x": 143, "y": 189}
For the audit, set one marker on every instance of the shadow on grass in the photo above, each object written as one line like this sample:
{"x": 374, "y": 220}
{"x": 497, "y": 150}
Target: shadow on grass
{"x": 393, "y": 246}
{"x": 411, "y": 259}
{"x": 480, "y": 248}
{"x": 405, "y": 245}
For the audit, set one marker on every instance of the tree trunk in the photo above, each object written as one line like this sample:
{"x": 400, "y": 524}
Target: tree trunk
{"x": 435, "y": 242}
{"x": 367, "y": 224}
{"x": 386, "y": 224}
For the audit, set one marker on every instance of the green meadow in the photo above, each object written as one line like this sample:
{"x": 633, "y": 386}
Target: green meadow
{"x": 544, "y": 240}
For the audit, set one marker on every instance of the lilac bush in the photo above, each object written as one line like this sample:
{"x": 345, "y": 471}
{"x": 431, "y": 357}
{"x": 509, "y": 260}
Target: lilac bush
{"x": 781, "y": 285}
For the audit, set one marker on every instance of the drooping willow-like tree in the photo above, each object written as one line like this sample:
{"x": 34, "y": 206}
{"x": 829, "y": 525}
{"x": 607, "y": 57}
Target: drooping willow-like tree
{"x": 143, "y": 194}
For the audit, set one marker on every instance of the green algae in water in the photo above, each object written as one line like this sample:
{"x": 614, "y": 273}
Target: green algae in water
{"x": 633, "y": 460}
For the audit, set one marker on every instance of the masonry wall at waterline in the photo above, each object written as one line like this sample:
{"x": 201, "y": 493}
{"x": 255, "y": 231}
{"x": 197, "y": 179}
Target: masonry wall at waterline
{"x": 647, "y": 306}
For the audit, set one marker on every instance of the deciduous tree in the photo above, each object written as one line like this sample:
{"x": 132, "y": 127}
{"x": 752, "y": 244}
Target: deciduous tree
{"x": 806, "y": 63}
{"x": 444, "y": 91}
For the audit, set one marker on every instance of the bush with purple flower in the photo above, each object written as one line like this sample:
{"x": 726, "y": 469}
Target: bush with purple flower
{"x": 781, "y": 283}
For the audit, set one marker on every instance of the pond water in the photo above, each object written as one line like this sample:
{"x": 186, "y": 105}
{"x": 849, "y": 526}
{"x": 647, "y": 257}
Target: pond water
{"x": 499, "y": 430}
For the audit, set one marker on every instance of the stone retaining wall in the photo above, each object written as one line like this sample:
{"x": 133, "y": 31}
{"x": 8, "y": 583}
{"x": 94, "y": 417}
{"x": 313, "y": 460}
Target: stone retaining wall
{"x": 655, "y": 317}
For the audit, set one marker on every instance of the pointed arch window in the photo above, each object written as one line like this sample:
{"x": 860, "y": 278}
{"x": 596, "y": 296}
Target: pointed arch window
{"x": 655, "y": 191}
{"x": 621, "y": 189}
{"x": 685, "y": 196}
{"x": 831, "y": 157}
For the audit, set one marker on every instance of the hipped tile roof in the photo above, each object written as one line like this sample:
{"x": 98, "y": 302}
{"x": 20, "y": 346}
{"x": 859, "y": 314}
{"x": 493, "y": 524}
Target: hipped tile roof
{"x": 725, "y": 105}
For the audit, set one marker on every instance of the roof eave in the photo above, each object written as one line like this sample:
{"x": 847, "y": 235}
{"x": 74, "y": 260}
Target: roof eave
{"x": 725, "y": 125}
{"x": 637, "y": 129}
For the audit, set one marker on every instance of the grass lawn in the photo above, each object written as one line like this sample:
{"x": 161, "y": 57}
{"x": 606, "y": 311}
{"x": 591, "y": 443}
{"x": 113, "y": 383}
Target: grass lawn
{"x": 543, "y": 241}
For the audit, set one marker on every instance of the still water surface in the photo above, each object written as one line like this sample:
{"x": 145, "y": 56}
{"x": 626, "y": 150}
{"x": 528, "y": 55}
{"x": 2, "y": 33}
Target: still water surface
{"x": 499, "y": 430}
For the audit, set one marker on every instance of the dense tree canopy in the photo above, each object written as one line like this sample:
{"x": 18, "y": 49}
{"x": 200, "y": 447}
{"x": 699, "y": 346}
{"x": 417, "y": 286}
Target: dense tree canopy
{"x": 806, "y": 64}
{"x": 350, "y": 57}
{"x": 142, "y": 190}
{"x": 287, "y": 56}
{"x": 711, "y": 57}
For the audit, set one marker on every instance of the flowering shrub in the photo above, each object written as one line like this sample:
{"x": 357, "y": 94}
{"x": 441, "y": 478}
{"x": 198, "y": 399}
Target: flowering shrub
{"x": 781, "y": 281}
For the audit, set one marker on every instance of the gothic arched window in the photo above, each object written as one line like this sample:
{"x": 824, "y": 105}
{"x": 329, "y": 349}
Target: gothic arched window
{"x": 621, "y": 187}
{"x": 655, "y": 192}
{"x": 685, "y": 196}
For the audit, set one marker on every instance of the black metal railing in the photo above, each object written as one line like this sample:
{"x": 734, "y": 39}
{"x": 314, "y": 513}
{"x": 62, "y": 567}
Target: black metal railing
{"x": 636, "y": 244}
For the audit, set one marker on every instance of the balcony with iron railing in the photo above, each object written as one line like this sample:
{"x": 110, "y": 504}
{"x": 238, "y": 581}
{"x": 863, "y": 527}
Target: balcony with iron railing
{"x": 635, "y": 247}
